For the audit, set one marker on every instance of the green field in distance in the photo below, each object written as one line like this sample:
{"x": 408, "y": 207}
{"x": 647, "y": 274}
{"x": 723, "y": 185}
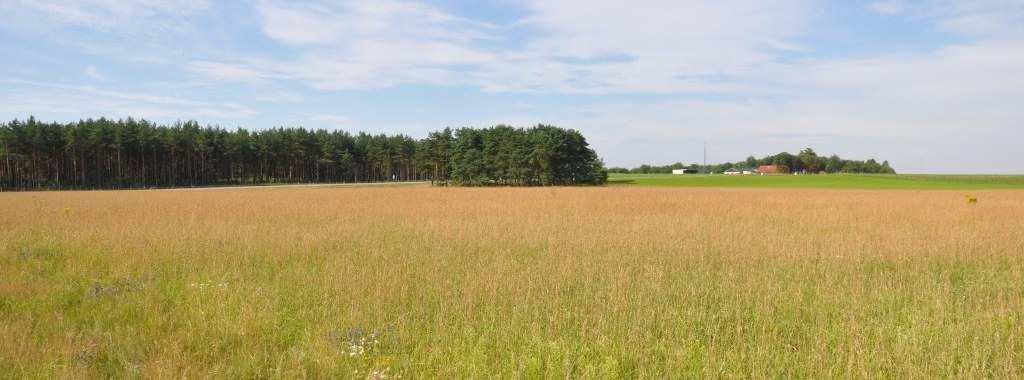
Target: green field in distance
{"x": 827, "y": 181}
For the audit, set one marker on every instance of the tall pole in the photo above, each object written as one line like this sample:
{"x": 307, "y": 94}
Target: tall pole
{"x": 705, "y": 168}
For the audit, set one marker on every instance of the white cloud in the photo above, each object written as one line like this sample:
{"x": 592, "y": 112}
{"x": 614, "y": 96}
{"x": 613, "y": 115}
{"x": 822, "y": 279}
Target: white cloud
{"x": 228, "y": 72}
{"x": 330, "y": 119}
{"x": 72, "y": 102}
{"x": 92, "y": 72}
{"x": 695, "y": 36}
{"x": 328, "y": 23}
{"x": 586, "y": 47}
{"x": 974, "y": 17}
{"x": 297, "y": 24}
{"x": 980, "y": 78}
{"x": 158, "y": 16}
{"x": 280, "y": 97}
{"x": 135, "y": 31}
{"x": 364, "y": 44}
{"x": 980, "y": 17}
{"x": 653, "y": 46}
{"x": 888, "y": 8}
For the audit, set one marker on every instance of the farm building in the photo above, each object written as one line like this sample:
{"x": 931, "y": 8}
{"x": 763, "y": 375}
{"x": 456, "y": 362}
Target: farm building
{"x": 684, "y": 171}
{"x": 773, "y": 169}
{"x": 734, "y": 171}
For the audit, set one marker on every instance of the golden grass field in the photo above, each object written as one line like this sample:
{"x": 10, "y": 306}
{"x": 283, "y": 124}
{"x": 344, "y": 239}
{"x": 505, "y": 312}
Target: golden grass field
{"x": 602, "y": 282}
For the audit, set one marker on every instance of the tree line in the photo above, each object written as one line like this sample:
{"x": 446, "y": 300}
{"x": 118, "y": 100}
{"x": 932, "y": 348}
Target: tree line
{"x": 807, "y": 161}
{"x": 129, "y": 153}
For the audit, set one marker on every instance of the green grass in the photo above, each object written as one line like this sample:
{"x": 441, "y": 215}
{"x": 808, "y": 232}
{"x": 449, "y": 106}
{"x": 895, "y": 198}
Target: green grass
{"x": 830, "y": 181}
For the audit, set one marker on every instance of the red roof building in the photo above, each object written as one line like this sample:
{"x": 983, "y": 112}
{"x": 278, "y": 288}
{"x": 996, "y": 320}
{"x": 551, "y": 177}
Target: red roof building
{"x": 773, "y": 169}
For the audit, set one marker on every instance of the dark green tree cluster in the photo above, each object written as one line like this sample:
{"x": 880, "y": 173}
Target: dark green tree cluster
{"x": 807, "y": 161}
{"x": 114, "y": 154}
{"x": 502, "y": 155}
{"x": 655, "y": 169}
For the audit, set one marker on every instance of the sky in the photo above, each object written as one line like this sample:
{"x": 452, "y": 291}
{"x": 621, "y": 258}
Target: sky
{"x": 932, "y": 86}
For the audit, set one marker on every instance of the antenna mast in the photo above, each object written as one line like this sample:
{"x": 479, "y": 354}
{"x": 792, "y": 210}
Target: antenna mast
{"x": 705, "y": 168}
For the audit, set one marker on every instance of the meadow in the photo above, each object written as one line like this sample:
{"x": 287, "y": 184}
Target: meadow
{"x": 829, "y": 181}
{"x": 589, "y": 282}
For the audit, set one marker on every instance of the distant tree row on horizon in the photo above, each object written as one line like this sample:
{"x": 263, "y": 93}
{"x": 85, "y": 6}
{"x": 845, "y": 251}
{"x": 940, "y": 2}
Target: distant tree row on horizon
{"x": 130, "y": 153}
{"x": 806, "y": 161}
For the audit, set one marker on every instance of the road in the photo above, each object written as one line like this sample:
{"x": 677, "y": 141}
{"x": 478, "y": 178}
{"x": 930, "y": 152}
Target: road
{"x": 286, "y": 186}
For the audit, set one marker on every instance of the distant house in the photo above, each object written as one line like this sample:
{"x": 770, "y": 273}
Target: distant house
{"x": 684, "y": 171}
{"x": 744, "y": 171}
{"x": 773, "y": 169}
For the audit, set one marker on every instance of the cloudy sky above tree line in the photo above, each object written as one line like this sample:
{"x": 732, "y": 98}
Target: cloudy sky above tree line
{"x": 930, "y": 85}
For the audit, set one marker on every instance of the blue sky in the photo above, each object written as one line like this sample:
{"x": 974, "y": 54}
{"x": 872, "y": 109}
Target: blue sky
{"x": 930, "y": 85}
